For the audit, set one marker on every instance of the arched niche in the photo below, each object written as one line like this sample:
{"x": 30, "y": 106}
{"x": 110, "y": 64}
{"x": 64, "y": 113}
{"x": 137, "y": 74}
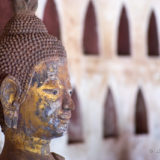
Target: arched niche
{"x": 51, "y": 18}
{"x": 110, "y": 128}
{"x": 141, "y": 121}
{"x": 123, "y": 43}
{"x": 6, "y": 12}
{"x": 152, "y": 39}
{"x": 75, "y": 130}
{"x": 90, "y": 33}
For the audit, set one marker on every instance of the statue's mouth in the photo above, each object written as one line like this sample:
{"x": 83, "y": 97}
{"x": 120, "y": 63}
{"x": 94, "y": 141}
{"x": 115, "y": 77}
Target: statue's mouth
{"x": 66, "y": 116}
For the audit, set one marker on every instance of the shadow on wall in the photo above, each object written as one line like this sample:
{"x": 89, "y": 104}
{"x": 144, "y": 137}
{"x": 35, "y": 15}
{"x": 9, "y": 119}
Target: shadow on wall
{"x": 6, "y": 13}
{"x": 90, "y": 35}
{"x": 124, "y": 152}
{"x": 153, "y": 44}
{"x": 110, "y": 128}
{"x": 123, "y": 48}
{"x": 75, "y": 129}
{"x": 51, "y": 19}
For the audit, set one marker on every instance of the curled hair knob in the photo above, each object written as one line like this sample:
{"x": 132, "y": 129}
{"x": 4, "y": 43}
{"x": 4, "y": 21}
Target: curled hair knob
{"x": 25, "y": 6}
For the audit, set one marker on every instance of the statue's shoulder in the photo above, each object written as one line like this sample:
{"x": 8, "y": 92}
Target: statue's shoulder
{"x": 57, "y": 157}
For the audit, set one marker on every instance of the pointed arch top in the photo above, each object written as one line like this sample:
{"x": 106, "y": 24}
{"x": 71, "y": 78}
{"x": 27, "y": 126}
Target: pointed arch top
{"x": 123, "y": 47}
{"x": 153, "y": 44}
{"x": 51, "y": 18}
{"x": 6, "y": 12}
{"x": 141, "y": 121}
{"x": 75, "y": 130}
{"x": 90, "y": 33}
{"x": 110, "y": 128}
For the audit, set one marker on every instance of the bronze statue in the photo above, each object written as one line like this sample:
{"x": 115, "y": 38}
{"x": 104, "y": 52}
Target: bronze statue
{"x": 35, "y": 88}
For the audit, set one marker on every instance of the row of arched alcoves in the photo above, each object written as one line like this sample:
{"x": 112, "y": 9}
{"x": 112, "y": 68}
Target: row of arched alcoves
{"x": 90, "y": 34}
{"x": 110, "y": 124}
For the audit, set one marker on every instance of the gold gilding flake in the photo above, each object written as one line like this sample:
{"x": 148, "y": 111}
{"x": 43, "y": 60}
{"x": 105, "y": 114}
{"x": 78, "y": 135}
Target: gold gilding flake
{"x": 51, "y": 69}
{"x": 28, "y": 143}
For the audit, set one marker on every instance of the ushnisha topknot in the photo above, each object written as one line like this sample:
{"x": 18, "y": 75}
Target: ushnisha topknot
{"x": 25, "y": 43}
{"x": 25, "y": 6}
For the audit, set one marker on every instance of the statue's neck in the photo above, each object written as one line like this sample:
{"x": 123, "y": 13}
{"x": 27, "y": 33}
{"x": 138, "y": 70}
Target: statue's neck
{"x": 24, "y": 143}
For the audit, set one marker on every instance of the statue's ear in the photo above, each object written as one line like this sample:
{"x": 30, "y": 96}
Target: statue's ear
{"x": 9, "y": 93}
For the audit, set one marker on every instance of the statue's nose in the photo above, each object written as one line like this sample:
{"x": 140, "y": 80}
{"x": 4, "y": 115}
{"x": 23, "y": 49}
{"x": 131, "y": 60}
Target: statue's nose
{"x": 68, "y": 103}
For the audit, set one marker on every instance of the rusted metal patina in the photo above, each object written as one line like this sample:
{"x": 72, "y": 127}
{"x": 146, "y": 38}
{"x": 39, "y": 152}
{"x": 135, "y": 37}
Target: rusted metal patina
{"x": 35, "y": 88}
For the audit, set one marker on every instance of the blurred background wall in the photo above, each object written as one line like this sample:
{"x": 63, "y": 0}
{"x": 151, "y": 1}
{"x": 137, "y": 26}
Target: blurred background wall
{"x": 114, "y": 61}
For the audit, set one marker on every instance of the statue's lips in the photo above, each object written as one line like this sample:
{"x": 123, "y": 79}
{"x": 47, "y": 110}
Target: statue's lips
{"x": 65, "y": 115}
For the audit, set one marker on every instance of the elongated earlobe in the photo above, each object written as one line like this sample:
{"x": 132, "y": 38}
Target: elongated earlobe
{"x": 9, "y": 94}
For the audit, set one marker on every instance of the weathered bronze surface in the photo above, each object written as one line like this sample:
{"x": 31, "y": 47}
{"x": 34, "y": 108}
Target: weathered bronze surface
{"x": 35, "y": 88}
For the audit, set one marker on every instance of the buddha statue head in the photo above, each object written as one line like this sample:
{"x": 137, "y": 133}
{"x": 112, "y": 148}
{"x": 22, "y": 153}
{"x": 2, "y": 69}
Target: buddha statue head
{"x": 35, "y": 90}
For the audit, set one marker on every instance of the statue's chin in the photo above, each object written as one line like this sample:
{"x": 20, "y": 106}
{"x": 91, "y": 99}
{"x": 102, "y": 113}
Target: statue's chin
{"x": 57, "y": 135}
{"x": 59, "y": 132}
{"x": 52, "y": 136}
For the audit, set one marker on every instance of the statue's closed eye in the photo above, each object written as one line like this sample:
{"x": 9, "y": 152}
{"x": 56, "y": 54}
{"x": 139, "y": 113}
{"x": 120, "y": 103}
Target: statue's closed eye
{"x": 51, "y": 91}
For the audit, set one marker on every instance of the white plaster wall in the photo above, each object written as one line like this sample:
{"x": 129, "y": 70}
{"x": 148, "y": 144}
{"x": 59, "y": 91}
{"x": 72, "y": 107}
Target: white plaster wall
{"x": 1, "y": 140}
{"x": 91, "y": 76}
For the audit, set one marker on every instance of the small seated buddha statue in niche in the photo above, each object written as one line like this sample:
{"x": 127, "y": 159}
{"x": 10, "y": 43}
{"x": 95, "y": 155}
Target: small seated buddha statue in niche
{"x": 35, "y": 92}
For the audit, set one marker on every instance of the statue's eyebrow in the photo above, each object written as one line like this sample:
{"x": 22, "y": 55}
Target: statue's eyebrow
{"x": 53, "y": 79}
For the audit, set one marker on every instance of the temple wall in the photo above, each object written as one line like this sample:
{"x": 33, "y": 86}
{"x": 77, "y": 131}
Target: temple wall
{"x": 91, "y": 76}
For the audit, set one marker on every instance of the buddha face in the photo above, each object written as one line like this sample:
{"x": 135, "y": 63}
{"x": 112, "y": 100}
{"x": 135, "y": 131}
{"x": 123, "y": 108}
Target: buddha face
{"x": 46, "y": 110}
